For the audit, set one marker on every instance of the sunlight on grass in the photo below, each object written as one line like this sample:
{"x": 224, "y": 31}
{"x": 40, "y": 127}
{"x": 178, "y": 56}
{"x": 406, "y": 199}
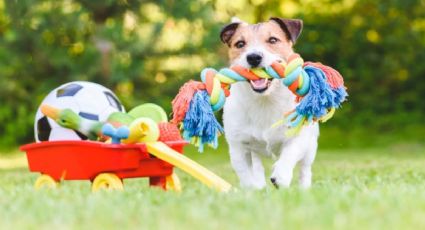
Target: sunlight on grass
{"x": 13, "y": 160}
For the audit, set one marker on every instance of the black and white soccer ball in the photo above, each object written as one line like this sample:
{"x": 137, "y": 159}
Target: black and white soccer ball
{"x": 89, "y": 100}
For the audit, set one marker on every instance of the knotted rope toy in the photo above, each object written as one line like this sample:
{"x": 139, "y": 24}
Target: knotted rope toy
{"x": 319, "y": 89}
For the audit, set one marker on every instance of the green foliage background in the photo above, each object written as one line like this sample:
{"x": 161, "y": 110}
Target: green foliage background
{"x": 145, "y": 50}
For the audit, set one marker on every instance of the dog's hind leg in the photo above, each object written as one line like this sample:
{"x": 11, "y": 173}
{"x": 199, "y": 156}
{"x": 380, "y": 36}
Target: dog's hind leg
{"x": 305, "y": 175}
{"x": 305, "y": 166}
{"x": 259, "y": 178}
{"x": 241, "y": 161}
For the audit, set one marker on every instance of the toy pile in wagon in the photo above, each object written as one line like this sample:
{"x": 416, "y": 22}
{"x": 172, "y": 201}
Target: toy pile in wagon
{"x": 83, "y": 133}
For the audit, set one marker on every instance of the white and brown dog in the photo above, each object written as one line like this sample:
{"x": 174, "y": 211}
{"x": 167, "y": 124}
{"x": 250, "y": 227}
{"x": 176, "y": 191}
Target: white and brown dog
{"x": 254, "y": 106}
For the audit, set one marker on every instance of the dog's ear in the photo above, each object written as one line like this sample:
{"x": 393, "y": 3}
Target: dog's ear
{"x": 291, "y": 27}
{"x": 228, "y": 31}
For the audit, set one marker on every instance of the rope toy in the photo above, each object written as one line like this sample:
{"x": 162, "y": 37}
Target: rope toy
{"x": 319, "y": 89}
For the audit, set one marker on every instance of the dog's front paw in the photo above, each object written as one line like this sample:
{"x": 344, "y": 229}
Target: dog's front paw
{"x": 278, "y": 183}
{"x": 281, "y": 178}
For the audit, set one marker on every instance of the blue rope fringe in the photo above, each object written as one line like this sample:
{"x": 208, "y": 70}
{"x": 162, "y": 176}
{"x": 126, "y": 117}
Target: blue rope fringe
{"x": 200, "y": 121}
{"x": 321, "y": 96}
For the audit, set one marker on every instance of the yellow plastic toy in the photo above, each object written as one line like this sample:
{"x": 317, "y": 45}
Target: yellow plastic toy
{"x": 45, "y": 181}
{"x": 108, "y": 181}
{"x": 142, "y": 130}
{"x": 165, "y": 153}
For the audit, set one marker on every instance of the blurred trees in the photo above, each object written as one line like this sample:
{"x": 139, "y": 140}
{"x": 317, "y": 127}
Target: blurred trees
{"x": 144, "y": 50}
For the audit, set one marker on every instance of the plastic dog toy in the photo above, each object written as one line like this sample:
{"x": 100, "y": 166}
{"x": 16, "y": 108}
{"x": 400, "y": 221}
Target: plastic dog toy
{"x": 143, "y": 149}
{"x": 319, "y": 89}
{"x": 116, "y": 134}
{"x": 141, "y": 129}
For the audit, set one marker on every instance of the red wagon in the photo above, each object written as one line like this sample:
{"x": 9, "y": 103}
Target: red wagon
{"x": 106, "y": 165}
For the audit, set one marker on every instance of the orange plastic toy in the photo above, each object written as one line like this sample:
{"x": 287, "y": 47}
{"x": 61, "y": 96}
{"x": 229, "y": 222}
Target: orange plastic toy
{"x": 105, "y": 165}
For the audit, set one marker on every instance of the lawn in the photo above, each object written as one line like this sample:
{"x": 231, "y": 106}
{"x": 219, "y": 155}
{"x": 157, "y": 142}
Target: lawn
{"x": 353, "y": 189}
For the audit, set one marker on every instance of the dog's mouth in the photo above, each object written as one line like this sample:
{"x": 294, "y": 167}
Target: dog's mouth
{"x": 260, "y": 85}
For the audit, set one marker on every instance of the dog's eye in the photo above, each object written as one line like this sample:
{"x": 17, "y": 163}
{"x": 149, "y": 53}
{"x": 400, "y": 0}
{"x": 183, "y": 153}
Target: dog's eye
{"x": 273, "y": 40}
{"x": 240, "y": 44}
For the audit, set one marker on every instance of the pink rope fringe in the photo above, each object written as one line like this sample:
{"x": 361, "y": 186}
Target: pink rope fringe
{"x": 182, "y": 101}
{"x": 333, "y": 77}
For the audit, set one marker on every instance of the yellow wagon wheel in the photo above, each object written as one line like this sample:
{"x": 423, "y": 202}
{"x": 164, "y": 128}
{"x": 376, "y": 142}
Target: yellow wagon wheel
{"x": 172, "y": 182}
{"x": 45, "y": 181}
{"x": 108, "y": 181}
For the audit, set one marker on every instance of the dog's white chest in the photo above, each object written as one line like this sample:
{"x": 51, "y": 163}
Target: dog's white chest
{"x": 248, "y": 117}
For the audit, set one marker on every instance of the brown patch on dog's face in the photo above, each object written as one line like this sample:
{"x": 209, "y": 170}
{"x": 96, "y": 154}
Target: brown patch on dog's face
{"x": 267, "y": 34}
{"x": 261, "y": 44}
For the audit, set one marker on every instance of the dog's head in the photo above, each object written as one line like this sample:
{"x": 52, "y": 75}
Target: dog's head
{"x": 258, "y": 45}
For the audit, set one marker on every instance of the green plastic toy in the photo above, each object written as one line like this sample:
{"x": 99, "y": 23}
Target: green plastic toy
{"x": 150, "y": 110}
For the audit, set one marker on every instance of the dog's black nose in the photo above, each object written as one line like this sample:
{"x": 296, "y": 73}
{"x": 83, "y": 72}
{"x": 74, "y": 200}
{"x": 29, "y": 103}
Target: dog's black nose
{"x": 254, "y": 59}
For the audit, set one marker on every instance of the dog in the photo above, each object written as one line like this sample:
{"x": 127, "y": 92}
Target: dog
{"x": 253, "y": 107}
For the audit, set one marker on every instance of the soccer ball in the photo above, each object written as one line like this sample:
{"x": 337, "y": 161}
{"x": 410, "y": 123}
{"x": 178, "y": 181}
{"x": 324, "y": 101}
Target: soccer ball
{"x": 90, "y": 100}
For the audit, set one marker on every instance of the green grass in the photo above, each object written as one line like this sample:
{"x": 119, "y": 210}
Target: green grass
{"x": 353, "y": 189}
